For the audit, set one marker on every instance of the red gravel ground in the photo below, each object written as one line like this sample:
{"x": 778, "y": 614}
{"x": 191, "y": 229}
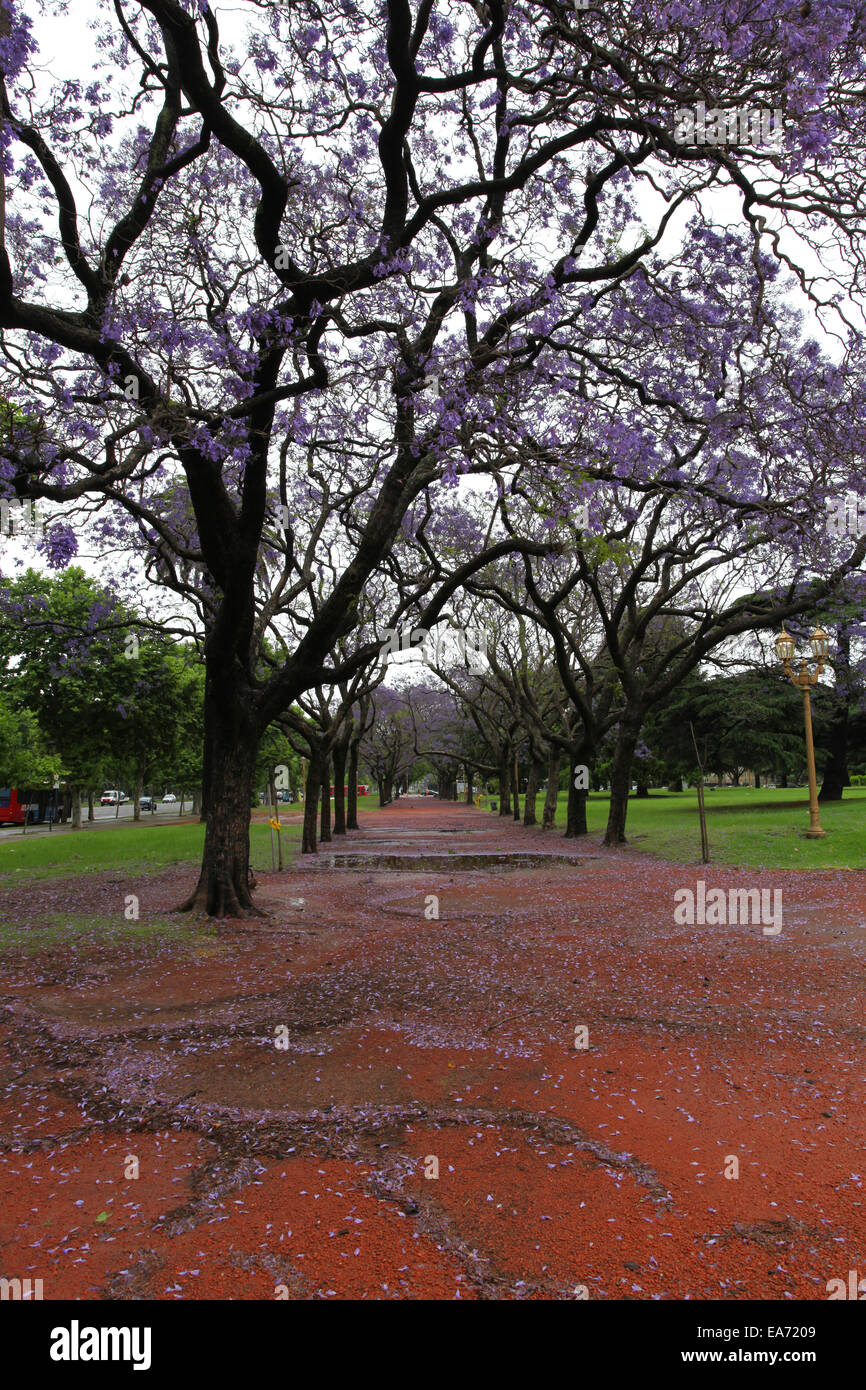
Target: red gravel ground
{"x": 288, "y": 1089}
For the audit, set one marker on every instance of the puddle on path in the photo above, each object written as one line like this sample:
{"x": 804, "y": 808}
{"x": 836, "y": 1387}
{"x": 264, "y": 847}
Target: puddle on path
{"x": 423, "y": 863}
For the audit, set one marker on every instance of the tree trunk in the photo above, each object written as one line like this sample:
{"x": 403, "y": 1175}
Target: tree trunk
{"x": 352, "y": 810}
{"x": 76, "y": 808}
{"x": 620, "y": 784}
{"x": 223, "y": 888}
{"x": 529, "y": 800}
{"x": 90, "y": 812}
{"x": 505, "y": 786}
{"x": 383, "y": 796}
{"x": 326, "y": 800}
{"x": 136, "y": 797}
{"x": 339, "y": 784}
{"x": 548, "y": 815}
{"x": 575, "y": 816}
{"x": 469, "y": 780}
{"x": 312, "y": 789}
{"x": 515, "y": 783}
{"x": 836, "y": 766}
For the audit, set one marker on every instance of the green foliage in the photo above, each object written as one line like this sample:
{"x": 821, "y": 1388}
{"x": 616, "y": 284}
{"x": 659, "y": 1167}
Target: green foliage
{"x": 24, "y": 759}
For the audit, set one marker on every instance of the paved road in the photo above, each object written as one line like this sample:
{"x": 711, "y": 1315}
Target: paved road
{"x": 104, "y": 815}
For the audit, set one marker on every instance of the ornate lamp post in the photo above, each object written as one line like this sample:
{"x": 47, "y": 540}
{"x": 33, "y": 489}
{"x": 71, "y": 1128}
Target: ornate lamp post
{"x": 804, "y": 679}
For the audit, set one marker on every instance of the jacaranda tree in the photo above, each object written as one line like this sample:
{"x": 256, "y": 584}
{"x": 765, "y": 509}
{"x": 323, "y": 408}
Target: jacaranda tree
{"x": 265, "y": 282}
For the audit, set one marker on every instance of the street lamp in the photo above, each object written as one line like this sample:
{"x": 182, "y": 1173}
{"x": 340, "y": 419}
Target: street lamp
{"x": 804, "y": 679}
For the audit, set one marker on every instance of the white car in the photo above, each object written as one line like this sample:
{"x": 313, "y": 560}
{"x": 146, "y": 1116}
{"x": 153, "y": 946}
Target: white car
{"x": 168, "y": 798}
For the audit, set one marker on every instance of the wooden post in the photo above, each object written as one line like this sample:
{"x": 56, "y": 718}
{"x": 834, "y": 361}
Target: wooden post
{"x": 702, "y": 810}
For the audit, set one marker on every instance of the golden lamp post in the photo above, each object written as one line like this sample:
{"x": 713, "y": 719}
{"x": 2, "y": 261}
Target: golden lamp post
{"x": 805, "y": 679}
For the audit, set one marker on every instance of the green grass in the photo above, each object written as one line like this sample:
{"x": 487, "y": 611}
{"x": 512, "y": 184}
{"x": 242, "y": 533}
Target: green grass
{"x": 747, "y": 826}
{"x": 147, "y": 847}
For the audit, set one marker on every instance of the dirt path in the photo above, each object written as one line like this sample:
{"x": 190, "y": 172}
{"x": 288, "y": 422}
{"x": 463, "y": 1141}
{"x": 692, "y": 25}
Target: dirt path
{"x": 287, "y": 1090}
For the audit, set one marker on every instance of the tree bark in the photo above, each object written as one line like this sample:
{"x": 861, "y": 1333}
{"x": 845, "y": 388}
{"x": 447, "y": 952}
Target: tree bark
{"x": 529, "y": 799}
{"x": 76, "y": 808}
{"x": 575, "y": 816}
{"x": 223, "y": 888}
{"x": 836, "y": 767}
{"x": 91, "y": 815}
{"x": 352, "y": 809}
{"x": 311, "y": 805}
{"x": 505, "y": 786}
{"x": 325, "y": 835}
{"x": 515, "y": 783}
{"x": 548, "y": 815}
{"x": 136, "y": 797}
{"x": 339, "y": 783}
{"x": 469, "y": 780}
{"x": 620, "y": 784}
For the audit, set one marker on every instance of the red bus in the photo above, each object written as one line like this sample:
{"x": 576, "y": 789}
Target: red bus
{"x": 38, "y": 803}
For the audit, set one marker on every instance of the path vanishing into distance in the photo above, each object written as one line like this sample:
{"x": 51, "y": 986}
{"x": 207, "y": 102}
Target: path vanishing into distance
{"x": 459, "y": 1058}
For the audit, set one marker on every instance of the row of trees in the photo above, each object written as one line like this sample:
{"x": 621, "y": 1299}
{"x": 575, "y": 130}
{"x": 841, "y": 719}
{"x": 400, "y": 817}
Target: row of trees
{"x": 374, "y": 314}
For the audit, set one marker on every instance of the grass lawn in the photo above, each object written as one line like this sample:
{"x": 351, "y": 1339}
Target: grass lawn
{"x": 144, "y": 848}
{"x": 755, "y": 828}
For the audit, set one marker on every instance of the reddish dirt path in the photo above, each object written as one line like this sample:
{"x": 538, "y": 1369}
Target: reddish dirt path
{"x": 299, "y": 1170}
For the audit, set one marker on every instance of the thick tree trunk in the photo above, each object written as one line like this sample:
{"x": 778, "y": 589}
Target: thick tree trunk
{"x": 575, "y": 817}
{"x": 383, "y": 795}
{"x": 311, "y": 805}
{"x": 548, "y": 815}
{"x": 532, "y": 782}
{"x": 136, "y": 797}
{"x": 505, "y": 786}
{"x": 224, "y": 885}
{"x": 515, "y": 786}
{"x": 90, "y": 812}
{"x": 325, "y": 835}
{"x": 836, "y": 767}
{"x": 469, "y": 780}
{"x": 620, "y": 784}
{"x": 352, "y": 809}
{"x": 76, "y": 808}
{"x": 339, "y": 785}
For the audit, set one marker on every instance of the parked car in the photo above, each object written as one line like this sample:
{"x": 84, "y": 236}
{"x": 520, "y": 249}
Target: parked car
{"x": 169, "y": 798}
{"x": 146, "y": 803}
{"x": 431, "y": 792}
